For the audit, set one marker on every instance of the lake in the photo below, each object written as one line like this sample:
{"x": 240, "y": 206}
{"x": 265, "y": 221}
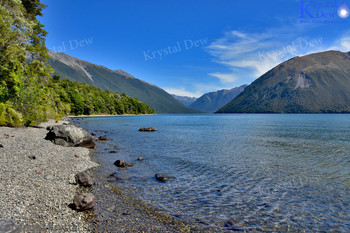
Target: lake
{"x": 266, "y": 172}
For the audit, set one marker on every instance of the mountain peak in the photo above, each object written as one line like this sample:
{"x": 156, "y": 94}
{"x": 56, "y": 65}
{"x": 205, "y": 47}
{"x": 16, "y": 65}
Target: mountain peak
{"x": 313, "y": 83}
{"x": 74, "y": 69}
{"x": 212, "y": 101}
{"x": 70, "y": 61}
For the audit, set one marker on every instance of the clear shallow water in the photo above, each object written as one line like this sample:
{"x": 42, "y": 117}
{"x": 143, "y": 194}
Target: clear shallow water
{"x": 238, "y": 172}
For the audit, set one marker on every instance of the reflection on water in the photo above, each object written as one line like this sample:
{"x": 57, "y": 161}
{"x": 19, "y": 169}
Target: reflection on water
{"x": 238, "y": 172}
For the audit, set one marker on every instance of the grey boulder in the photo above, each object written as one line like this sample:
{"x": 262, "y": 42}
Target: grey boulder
{"x": 69, "y": 135}
{"x": 83, "y": 179}
{"x": 84, "y": 201}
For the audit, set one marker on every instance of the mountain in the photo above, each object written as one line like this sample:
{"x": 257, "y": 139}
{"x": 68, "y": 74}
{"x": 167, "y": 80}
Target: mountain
{"x": 212, "y": 101}
{"x": 185, "y": 99}
{"x": 315, "y": 83}
{"x": 74, "y": 69}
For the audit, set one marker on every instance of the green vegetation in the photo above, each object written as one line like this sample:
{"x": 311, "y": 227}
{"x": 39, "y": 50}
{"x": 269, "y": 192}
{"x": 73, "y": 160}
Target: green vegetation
{"x": 74, "y": 69}
{"x": 28, "y": 94}
{"x": 81, "y": 98}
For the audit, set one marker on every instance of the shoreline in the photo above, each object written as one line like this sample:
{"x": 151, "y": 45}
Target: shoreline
{"x": 37, "y": 180}
{"x": 37, "y": 187}
{"x": 116, "y": 210}
{"x": 106, "y": 115}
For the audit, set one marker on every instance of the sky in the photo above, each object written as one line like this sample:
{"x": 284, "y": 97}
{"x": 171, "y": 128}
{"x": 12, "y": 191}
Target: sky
{"x": 191, "y": 47}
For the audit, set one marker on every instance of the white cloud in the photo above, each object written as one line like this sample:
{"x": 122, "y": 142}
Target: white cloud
{"x": 182, "y": 92}
{"x": 253, "y": 54}
{"x": 198, "y": 89}
{"x": 225, "y": 78}
{"x": 342, "y": 44}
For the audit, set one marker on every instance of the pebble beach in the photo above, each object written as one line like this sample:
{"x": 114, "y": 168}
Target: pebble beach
{"x": 37, "y": 186}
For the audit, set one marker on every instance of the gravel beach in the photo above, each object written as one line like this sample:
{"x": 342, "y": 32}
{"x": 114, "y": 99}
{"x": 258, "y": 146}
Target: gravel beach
{"x": 37, "y": 181}
{"x": 37, "y": 187}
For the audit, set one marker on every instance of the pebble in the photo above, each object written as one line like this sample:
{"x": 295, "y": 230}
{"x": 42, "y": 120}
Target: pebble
{"x": 30, "y": 198}
{"x": 103, "y": 138}
{"x": 48, "y": 177}
{"x": 122, "y": 163}
{"x": 8, "y": 226}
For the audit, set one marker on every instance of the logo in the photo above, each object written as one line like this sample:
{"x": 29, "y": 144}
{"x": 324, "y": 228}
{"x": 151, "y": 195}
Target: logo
{"x": 343, "y": 11}
{"x": 323, "y": 11}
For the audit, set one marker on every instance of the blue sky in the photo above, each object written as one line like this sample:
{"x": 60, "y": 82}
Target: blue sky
{"x": 190, "y": 47}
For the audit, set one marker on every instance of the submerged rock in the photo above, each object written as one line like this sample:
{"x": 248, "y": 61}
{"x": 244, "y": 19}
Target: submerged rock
{"x": 147, "y": 129}
{"x": 69, "y": 135}
{"x": 163, "y": 178}
{"x": 103, "y": 138}
{"x": 84, "y": 201}
{"x": 83, "y": 179}
{"x": 122, "y": 163}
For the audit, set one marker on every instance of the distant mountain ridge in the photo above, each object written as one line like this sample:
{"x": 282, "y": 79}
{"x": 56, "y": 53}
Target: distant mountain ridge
{"x": 315, "y": 83}
{"x": 212, "y": 101}
{"x": 185, "y": 99}
{"x": 74, "y": 69}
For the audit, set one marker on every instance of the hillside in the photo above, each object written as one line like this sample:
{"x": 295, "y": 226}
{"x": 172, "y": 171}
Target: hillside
{"x": 315, "y": 83}
{"x": 74, "y": 69}
{"x": 185, "y": 99}
{"x": 212, "y": 101}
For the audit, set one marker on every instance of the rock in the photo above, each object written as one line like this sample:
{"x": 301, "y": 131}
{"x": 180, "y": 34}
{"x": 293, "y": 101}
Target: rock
{"x": 84, "y": 201}
{"x": 103, "y": 138}
{"x": 1, "y": 146}
{"x": 93, "y": 134}
{"x": 115, "y": 176}
{"x": 122, "y": 163}
{"x": 83, "y": 179}
{"x": 69, "y": 135}
{"x": 163, "y": 178}
{"x": 32, "y": 157}
{"x": 147, "y": 129}
{"x": 113, "y": 151}
{"x": 48, "y": 177}
{"x": 140, "y": 159}
{"x": 9, "y": 226}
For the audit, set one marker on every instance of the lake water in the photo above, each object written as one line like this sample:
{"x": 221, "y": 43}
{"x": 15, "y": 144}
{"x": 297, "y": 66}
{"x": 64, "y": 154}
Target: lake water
{"x": 272, "y": 172}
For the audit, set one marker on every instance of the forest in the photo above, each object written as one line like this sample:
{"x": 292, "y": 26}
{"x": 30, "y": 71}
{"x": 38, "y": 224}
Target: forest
{"x": 29, "y": 93}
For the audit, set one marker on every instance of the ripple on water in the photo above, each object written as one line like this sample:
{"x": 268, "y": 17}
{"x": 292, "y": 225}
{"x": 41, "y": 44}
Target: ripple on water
{"x": 240, "y": 172}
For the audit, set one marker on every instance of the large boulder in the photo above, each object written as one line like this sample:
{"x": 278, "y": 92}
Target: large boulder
{"x": 69, "y": 135}
{"x": 84, "y": 201}
{"x": 83, "y": 179}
